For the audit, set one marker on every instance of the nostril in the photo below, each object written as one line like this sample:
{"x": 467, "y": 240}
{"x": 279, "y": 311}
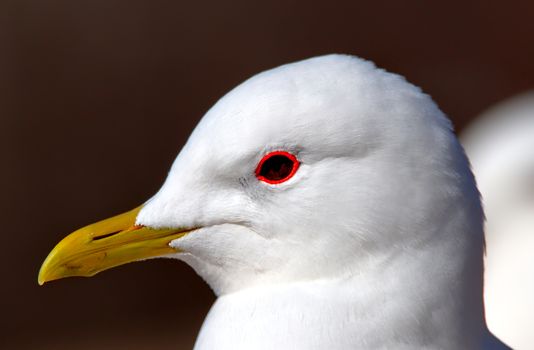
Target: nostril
{"x": 133, "y": 228}
{"x": 105, "y": 236}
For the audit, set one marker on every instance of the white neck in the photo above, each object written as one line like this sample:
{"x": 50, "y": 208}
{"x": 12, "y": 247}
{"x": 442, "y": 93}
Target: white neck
{"x": 387, "y": 307}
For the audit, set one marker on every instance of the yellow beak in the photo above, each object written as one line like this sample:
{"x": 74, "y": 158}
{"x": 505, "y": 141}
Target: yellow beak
{"x": 106, "y": 244}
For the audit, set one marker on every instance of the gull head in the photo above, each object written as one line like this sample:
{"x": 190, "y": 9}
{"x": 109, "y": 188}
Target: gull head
{"x": 319, "y": 169}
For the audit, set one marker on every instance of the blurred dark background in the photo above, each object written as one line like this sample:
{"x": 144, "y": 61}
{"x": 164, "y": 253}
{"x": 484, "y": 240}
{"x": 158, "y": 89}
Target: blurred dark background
{"x": 97, "y": 97}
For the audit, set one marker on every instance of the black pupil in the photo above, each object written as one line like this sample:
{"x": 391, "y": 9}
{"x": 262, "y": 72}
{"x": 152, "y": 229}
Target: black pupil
{"x": 276, "y": 168}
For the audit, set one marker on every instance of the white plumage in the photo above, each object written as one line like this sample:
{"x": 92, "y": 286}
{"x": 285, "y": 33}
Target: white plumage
{"x": 376, "y": 242}
{"x": 500, "y": 144}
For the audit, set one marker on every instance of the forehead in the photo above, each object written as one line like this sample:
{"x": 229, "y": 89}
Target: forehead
{"x": 331, "y": 106}
{"x": 331, "y": 101}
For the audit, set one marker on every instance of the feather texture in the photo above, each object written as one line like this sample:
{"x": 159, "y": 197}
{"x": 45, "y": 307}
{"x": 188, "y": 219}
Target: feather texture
{"x": 375, "y": 242}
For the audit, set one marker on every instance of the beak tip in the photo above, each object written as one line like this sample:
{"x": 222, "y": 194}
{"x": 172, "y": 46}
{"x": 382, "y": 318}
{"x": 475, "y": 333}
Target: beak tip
{"x": 44, "y": 271}
{"x": 41, "y": 278}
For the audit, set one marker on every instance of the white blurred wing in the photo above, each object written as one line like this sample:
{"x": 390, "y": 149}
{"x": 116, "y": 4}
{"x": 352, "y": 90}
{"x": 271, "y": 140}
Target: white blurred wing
{"x": 500, "y": 145}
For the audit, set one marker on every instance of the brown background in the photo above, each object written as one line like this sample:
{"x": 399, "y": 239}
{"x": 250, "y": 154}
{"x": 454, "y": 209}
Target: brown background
{"x": 97, "y": 97}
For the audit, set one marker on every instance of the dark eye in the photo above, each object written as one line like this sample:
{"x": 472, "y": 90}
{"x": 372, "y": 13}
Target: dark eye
{"x": 277, "y": 167}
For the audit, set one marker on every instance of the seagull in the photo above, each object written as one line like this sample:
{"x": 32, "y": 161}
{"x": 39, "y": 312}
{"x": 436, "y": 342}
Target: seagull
{"x": 500, "y": 145}
{"x": 328, "y": 204}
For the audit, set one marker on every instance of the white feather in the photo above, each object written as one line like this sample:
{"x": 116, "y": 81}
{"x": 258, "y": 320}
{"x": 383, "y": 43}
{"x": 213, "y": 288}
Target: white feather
{"x": 377, "y": 240}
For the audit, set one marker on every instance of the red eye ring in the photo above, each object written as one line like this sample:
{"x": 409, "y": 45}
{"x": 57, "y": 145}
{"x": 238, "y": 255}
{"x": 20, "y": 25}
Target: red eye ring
{"x": 277, "y": 167}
